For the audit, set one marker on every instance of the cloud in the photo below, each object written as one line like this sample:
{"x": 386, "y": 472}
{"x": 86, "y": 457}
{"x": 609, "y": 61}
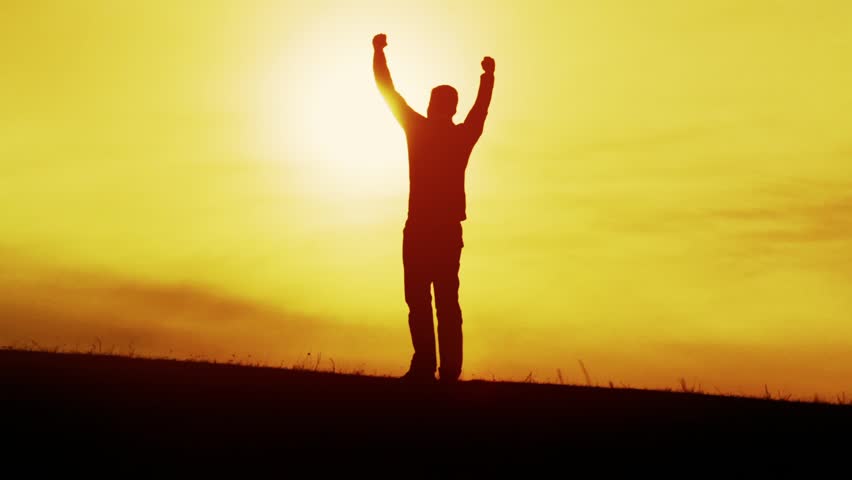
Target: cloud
{"x": 796, "y": 212}
{"x": 84, "y": 310}
{"x": 651, "y": 141}
{"x": 800, "y": 221}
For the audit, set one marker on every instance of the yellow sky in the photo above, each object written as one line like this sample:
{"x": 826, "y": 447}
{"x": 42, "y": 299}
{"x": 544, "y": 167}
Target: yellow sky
{"x": 663, "y": 189}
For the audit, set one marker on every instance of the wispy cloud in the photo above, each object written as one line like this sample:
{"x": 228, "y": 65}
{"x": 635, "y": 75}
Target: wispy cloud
{"x": 74, "y": 310}
{"x": 820, "y": 218}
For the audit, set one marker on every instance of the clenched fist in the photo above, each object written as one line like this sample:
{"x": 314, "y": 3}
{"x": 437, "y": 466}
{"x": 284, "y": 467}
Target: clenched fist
{"x": 488, "y": 65}
{"x": 380, "y": 41}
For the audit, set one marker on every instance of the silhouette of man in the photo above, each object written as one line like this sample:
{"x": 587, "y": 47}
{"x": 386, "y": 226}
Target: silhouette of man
{"x": 438, "y": 153}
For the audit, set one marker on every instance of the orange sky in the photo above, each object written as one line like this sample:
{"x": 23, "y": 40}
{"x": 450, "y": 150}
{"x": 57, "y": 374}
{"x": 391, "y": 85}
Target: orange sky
{"x": 662, "y": 191}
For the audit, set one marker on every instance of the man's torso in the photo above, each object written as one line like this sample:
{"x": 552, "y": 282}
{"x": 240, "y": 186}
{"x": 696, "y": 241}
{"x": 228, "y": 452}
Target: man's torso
{"x": 437, "y": 159}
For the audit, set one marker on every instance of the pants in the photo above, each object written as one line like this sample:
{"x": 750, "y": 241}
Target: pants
{"x": 430, "y": 255}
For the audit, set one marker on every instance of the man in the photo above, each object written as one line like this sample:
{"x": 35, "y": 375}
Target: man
{"x": 438, "y": 153}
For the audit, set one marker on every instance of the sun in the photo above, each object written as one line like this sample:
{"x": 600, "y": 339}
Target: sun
{"x": 359, "y": 149}
{"x": 320, "y": 115}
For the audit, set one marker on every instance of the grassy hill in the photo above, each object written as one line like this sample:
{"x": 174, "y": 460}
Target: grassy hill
{"x": 121, "y": 406}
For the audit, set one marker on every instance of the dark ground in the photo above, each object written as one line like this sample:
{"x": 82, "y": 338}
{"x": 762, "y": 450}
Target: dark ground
{"x": 143, "y": 410}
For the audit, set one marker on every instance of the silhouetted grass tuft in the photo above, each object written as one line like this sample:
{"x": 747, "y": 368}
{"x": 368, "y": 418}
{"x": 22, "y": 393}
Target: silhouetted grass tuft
{"x": 314, "y": 364}
{"x": 585, "y": 373}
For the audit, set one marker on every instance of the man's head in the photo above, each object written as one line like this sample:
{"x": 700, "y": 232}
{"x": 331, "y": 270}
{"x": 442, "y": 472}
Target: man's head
{"x": 443, "y": 104}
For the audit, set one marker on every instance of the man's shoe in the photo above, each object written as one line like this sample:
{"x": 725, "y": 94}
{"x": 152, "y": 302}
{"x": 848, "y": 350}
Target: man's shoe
{"x": 421, "y": 378}
{"x": 448, "y": 377}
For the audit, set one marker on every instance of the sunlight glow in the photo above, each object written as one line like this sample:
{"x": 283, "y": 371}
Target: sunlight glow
{"x": 359, "y": 149}
{"x": 320, "y": 111}
{"x": 662, "y": 189}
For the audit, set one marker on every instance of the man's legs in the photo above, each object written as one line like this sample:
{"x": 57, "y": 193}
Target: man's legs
{"x": 417, "y": 278}
{"x": 447, "y": 304}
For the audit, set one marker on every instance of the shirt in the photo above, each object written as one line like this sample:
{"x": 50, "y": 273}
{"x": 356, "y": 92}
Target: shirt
{"x": 438, "y": 151}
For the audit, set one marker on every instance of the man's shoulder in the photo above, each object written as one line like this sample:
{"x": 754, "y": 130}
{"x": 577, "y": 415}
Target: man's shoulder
{"x": 414, "y": 123}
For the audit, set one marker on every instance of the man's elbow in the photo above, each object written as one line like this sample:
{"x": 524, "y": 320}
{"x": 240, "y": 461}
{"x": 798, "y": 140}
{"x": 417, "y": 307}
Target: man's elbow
{"x": 388, "y": 93}
{"x": 385, "y": 89}
{"x": 384, "y": 83}
{"x": 475, "y": 127}
{"x": 477, "y": 116}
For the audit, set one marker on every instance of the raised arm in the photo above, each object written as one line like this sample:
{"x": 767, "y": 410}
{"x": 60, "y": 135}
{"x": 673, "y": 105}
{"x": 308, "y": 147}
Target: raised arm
{"x": 404, "y": 114}
{"x": 475, "y": 121}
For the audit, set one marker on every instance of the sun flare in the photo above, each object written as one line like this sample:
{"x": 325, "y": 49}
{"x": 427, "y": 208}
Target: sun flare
{"x": 661, "y": 190}
{"x": 357, "y": 147}
{"x": 333, "y": 119}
